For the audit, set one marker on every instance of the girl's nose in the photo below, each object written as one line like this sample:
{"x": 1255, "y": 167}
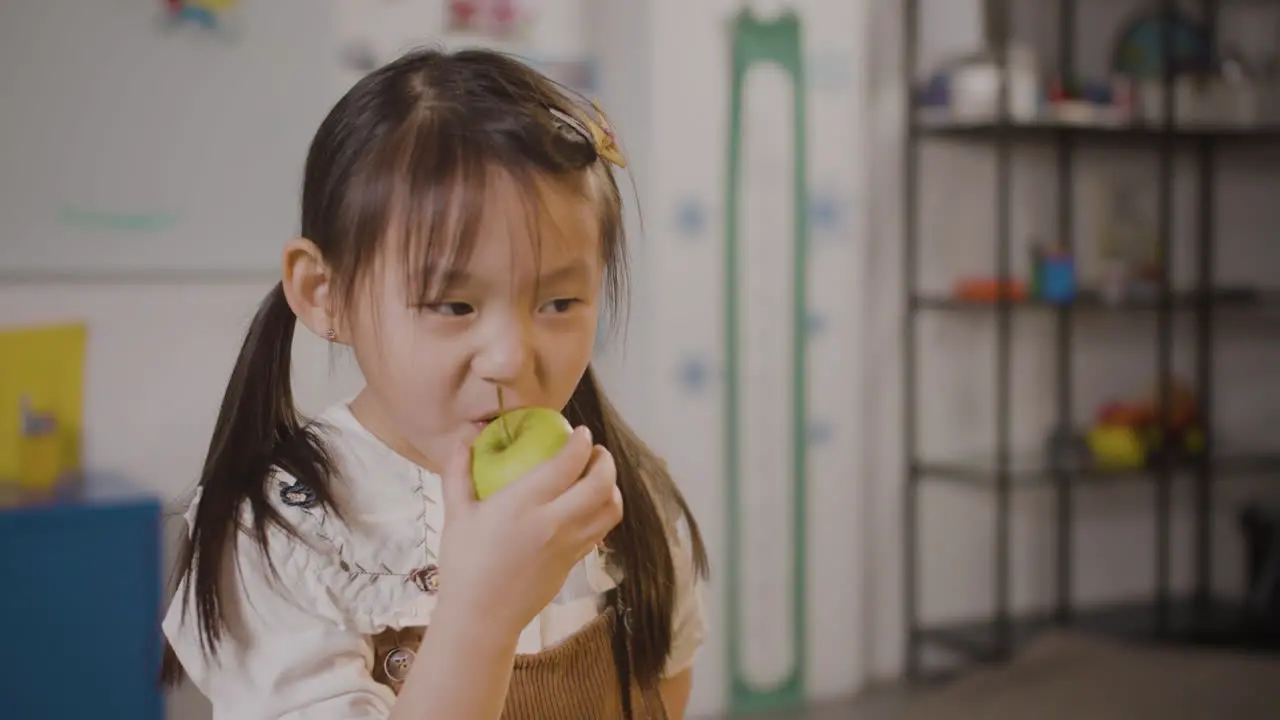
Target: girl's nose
{"x": 505, "y": 352}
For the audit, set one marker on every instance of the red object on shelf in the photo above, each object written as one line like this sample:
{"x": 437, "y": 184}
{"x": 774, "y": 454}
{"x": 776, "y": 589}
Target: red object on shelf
{"x": 991, "y": 289}
{"x": 1057, "y": 91}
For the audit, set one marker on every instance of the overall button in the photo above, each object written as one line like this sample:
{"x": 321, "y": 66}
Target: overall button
{"x": 397, "y": 663}
{"x": 427, "y": 579}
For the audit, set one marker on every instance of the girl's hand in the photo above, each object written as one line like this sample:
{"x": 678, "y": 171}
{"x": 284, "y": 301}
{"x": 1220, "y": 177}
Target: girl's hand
{"x": 505, "y": 559}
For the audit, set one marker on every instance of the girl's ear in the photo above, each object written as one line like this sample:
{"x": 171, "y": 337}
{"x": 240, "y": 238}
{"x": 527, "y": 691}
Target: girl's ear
{"x": 305, "y": 278}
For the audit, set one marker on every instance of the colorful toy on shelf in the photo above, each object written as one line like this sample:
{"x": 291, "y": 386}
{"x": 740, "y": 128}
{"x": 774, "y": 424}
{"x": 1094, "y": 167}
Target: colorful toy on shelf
{"x": 1101, "y": 102}
{"x": 1116, "y": 446}
{"x": 1139, "y": 49}
{"x": 1053, "y": 275}
{"x": 990, "y": 290}
{"x": 1130, "y": 434}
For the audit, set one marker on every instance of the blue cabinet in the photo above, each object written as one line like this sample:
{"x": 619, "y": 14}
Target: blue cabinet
{"x": 80, "y": 597}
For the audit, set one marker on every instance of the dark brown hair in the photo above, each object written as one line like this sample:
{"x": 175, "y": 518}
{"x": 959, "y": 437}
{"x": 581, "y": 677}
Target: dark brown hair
{"x": 416, "y": 141}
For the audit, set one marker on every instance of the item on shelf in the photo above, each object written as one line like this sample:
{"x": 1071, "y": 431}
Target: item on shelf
{"x": 1139, "y": 54}
{"x": 990, "y": 290}
{"x": 1130, "y": 434}
{"x": 1221, "y": 91}
{"x": 1131, "y": 266}
{"x": 1053, "y": 275}
{"x": 1116, "y": 447}
{"x": 1090, "y": 103}
{"x": 967, "y": 90}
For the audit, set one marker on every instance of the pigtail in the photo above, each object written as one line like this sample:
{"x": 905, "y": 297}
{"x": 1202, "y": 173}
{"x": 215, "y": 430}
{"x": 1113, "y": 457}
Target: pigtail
{"x": 258, "y": 429}
{"x": 641, "y": 541}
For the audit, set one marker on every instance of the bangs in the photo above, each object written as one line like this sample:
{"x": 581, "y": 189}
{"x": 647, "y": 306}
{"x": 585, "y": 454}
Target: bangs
{"x": 439, "y": 191}
{"x": 422, "y": 195}
{"x": 426, "y": 188}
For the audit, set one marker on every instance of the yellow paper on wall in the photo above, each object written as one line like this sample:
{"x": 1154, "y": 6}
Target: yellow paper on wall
{"x": 42, "y": 377}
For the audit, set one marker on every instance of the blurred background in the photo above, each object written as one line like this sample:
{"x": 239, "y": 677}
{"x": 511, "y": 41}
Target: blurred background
{"x": 976, "y": 404}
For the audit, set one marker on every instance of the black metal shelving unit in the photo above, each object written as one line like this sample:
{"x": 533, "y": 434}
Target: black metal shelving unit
{"x": 1199, "y": 618}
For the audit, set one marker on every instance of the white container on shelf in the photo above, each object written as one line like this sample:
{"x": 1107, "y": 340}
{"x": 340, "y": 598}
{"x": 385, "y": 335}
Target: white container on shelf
{"x": 974, "y": 88}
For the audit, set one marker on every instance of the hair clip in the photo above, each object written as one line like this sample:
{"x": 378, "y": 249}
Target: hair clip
{"x": 598, "y": 132}
{"x": 605, "y": 141}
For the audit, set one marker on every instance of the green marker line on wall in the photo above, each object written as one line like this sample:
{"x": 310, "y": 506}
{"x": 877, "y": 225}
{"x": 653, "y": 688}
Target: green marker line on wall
{"x": 774, "y": 42}
{"x": 111, "y": 221}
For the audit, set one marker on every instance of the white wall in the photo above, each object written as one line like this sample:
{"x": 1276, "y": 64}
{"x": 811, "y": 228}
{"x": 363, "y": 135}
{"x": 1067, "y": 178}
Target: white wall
{"x": 1115, "y": 532}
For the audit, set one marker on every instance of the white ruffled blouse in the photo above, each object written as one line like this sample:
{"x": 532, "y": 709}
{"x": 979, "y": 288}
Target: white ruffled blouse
{"x": 302, "y": 615}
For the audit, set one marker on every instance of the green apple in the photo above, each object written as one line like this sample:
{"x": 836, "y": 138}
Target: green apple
{"x": 513, "y": 444}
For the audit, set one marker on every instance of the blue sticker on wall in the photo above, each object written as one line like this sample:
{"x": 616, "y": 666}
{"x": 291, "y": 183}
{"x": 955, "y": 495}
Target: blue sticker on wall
{"x": 825, "y": 216}
{"x": 694, "y": 374}
{"x": 820, "y": 432}
{"x": 691, "y": 219}
{"x": 815, "y": 324}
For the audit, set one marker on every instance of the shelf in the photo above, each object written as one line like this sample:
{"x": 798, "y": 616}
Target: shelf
{"x": 1033, "y": 470}
{"x": 1073, "y": 129}
{"x": 1045, "y": 129}
{"x": 1218, "y": 624}
{"x": 1222, "y": 298}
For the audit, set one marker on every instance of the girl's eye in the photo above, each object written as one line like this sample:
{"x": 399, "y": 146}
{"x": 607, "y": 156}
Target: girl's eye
{"x": 451, "y": 309}
{"x": 561, "y": 305}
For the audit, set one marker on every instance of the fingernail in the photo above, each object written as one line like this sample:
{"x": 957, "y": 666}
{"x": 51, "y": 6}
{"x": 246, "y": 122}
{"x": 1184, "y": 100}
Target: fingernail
{"x": 586, "y": 432}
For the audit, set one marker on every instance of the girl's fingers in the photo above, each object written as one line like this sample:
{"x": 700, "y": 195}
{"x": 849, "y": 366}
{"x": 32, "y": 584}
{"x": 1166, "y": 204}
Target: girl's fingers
{"x": 552, "y": 478}
{"x": 606, "y": 518}
{"x": 579, "y": 506}
{"x": 599, "y": 455}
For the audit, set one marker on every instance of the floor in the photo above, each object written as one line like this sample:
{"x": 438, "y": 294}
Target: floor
{"x": 874, "y": 705}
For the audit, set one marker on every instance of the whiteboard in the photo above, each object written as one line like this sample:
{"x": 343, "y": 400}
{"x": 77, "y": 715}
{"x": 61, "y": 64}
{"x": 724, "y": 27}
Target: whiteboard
{"x": 130, "y": 143}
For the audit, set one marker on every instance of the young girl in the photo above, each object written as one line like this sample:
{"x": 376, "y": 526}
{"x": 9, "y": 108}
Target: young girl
{"x": 461, "y": 231}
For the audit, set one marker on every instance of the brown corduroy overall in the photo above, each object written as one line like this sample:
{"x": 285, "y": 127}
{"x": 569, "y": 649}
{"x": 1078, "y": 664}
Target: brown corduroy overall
{"x": 575, "y": 680}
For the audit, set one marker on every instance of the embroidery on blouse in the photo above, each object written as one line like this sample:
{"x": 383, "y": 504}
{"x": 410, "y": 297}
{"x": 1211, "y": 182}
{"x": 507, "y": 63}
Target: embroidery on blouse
{"x": 298, "y": 495}
{"x": 425, "y": 577}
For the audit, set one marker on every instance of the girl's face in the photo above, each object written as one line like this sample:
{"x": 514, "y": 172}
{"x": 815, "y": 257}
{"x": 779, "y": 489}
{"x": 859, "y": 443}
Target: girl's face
{"x": 520, "y": 315}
